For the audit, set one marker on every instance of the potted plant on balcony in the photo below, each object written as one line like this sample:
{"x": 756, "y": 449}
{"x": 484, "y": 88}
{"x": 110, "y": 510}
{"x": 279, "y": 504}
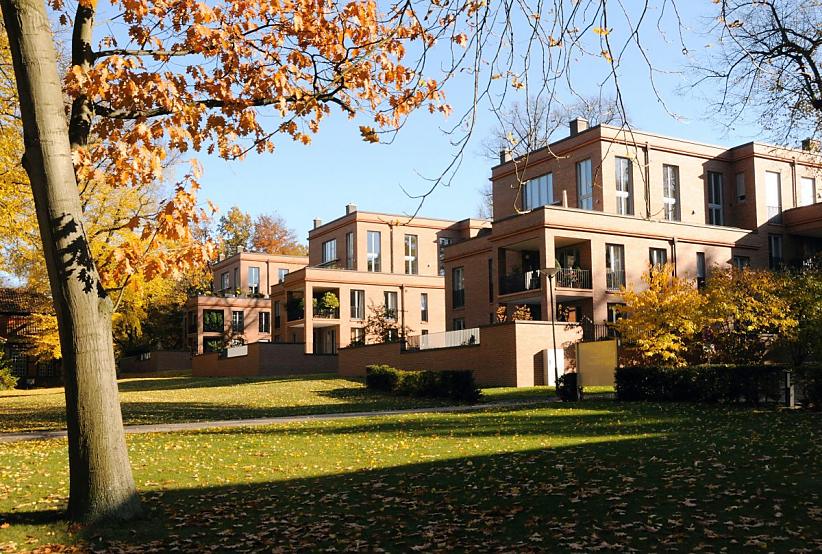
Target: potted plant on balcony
{"x": 328, "y": 304}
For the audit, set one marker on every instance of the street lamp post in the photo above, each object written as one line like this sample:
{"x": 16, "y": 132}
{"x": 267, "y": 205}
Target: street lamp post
{"x": 550, "y": 272}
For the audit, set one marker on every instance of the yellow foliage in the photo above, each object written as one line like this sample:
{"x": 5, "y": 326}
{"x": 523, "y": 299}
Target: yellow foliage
{"x": 663, "y": 318}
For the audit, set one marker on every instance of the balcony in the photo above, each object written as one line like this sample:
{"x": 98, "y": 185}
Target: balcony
{"x": 519, "y": 282}
{"x": 574, "y": 278}
{"x": 614, "y": 280}
{"x": 326, "y": 313}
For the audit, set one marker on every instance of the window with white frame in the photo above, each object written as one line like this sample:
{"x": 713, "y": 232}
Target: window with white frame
{"x": 585, "y": 185}
{"x": 224, "y": 281}
{"x": 254, "y": 280}
{"x": 357, "y": 304}
{"x": 411, "y": 257}
{"x": 538, "y": 192}
{"x": 670, "y": 192}
{"x": 624, "y": 186}
{"x": 374, "y": 249}
{"x": 807, "y": 191}
{"x": 390, "y": 304}
{"x": 281, "y": 273}
{"x": 424, "y": 306}
{"x": 329, "y": 251}
{"x": 773, "y": 193}
{"x": 237, "y": 322}
{"x": 658, "y": 257}
{"x": 715, "y": 185}
{"x": 264, "y": 322}
{"x": 741, "y": 192}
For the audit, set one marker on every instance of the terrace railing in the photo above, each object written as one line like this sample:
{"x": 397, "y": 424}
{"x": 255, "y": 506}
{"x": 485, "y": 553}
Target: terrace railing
{"x": 574, "y": 278}
{"x": 518, "y": 282}
{"x": 447, "y": 339}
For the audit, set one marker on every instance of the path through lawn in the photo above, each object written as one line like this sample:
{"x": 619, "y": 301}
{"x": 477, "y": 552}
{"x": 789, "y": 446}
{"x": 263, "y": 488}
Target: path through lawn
{"x": 588, "y": 477}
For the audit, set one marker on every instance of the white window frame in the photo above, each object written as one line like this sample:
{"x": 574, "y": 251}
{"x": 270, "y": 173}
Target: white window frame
{"x": 538, "y": 192}
{"x": 254, "y": 279}
{"x": 374, "y": 251}
{"x": 224, "y": 283}
{"x": 807, "y": 191}
{"x": 281, "y": 273}
{"x": 716, "y": 182}
{"x": 585, "y": 185}
{"x": 773, "y": 193}
{"x": 411, "y": 254}
{"x": 424, "y": 307}
{"x": 357, "y": 304}
{"x": 670, "y": 192}
{"x": 657, "y": 257}
{"x": 623, "y": 168}
{"x": 391, "y": 307}
{"x": 329, "y": 251}
{"x": 264, "y": 322}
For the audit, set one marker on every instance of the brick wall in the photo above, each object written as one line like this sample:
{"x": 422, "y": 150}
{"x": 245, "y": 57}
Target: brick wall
{"x": 508, "y": 355}
{"x": 158, "y": 361}
{"x": 264, "y": 359}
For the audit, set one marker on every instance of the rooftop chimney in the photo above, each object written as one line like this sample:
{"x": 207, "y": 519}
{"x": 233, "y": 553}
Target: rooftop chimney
{"x": 350, "y": 208}
{"x": 317, "y": 222}
{"x": 505, "y": 156}
{"x": 810, "y": 145}
{"x": 578, "y": 125}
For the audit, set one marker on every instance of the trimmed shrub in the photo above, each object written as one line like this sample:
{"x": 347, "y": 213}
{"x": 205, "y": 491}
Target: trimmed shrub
{"x": 456, "y": 385}
{"x": 809, "y": 385}
{"x": 567, "y": 388}
{"x": 381, "y": 377}
{"x": 706, "y": 383}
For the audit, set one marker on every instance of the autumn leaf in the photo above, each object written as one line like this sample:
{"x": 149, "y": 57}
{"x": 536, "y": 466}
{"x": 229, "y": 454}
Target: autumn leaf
{"x": 369, "y": 134}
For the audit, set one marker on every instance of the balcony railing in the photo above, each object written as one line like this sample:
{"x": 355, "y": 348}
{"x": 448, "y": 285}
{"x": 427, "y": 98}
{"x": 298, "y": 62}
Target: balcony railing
{"x": 775, "y": 214}
{"x": 574, "y": 278}
{"x": 518, "y": 282}
{"x": 448, "y": 339}
{"x": 597, "y": 331}
{"x": 614, "y": 280}
{"x": 327, "y": 313}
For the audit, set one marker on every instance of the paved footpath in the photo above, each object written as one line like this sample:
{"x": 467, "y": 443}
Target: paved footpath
{"x": 229, "y": 423}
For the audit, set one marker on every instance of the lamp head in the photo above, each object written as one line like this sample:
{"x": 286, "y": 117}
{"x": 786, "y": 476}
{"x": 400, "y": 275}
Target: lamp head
{"x": 550, "y": 271}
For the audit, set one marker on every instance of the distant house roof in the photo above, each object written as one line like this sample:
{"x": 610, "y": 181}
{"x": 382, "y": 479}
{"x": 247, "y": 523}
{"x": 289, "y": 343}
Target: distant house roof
{"x": 23, "y": 301}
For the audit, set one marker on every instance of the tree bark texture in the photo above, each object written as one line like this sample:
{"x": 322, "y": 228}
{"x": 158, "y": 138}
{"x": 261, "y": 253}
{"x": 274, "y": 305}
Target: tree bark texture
{"x": 101, "y": 483}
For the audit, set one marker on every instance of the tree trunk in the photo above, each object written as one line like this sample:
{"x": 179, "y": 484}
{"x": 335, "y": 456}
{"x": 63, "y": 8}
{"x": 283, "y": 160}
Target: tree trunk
{"x": 101, "y": 484}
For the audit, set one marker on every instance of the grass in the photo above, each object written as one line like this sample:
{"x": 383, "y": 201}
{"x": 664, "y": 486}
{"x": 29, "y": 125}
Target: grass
{"x": 585, "y": 477}
{"x": 176, "y": 399}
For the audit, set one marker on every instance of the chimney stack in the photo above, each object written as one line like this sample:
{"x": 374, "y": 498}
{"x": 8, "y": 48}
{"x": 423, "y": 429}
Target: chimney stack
{"x": 317, "y": 222}
{"x": 810, "y": 145}
{"x": 578, "y": 125}
{"x": 350, "y": 209}
{"x": 505, "y": 156}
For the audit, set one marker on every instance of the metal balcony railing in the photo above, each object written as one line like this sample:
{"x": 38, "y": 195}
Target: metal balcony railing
{"x": 574, "y": 278}
{"x": 614, "y": 280}
{"x": 447, "y": 339}
{"x": 518, "y": 282}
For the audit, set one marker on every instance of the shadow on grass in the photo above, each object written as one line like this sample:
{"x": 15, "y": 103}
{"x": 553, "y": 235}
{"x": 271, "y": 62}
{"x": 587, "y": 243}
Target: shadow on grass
{"x": 634, "y": 477}
{"x": 174, "y": 383}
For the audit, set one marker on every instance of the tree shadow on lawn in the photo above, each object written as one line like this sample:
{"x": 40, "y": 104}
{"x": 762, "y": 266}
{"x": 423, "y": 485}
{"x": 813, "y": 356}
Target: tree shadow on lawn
{"x": 673, "y": 489}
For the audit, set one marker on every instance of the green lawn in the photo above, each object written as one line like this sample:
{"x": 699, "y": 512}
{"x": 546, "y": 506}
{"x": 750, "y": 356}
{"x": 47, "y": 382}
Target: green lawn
{"x": 181, "y": 399}
{"x": 584, "y": 477}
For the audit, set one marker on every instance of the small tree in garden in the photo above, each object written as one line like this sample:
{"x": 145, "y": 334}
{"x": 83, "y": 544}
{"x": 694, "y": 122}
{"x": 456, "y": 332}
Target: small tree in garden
{"x": 381, "y": 326}
{"x": 746, "y": 315}
{"x": 802, "y": 290}
{"x": 663, "y": 319}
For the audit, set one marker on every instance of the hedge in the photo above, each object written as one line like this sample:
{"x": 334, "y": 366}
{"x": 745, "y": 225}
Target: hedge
{"x": 456, "y": 385}
{"x": 703, "y": 383}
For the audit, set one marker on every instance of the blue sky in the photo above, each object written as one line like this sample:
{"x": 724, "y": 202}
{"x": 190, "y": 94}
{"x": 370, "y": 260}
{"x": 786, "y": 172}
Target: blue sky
{"x": 303, "y": 182}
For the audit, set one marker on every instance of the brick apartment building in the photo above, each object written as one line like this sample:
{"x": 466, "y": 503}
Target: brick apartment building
{"x": 605, "y": 203}
{"x": 366, "y": 261}
{"x": 240, "y": 306}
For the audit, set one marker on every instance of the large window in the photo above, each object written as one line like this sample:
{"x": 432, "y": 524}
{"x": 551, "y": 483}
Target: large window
{"x": 236, "y": 278}
{"x": 224, "y": 281}
{"x": 254, "y": 280}
{"x": 807, "y": 191}
{"x": 349, "y": 251}
{"x": 773, "y": 194}
{"x": 741, "y": 262}
{"x": 585, "y": 185}
{"x": 774, "y": 251}
{"x": 357, "y": 336}
{"x": 716, "y": 183}
{"x": 614, "y": 266}
{"x": 458, "y": 323}
{"x": 330, "y": 251}
{"x": 374, "y": 249}
{"x": 624, "y": 187}
{"x": 390, "y": 304}
{"x": 411, "y": 255}
{"x": 264, "y": 322}
{"x": 237, "y": 321}
{"x": 443, "y": 242}
{"x": 658, "y": 257}
{"x": 538, "y": 192}
{"x": 424, "y": 306}
{"x": 213, "y": 321}
{"x": 357, "y": 304}
{"x": 670, "y": 192}
{"x": 457, "y": 287}
{"x": 281, "y": 273}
